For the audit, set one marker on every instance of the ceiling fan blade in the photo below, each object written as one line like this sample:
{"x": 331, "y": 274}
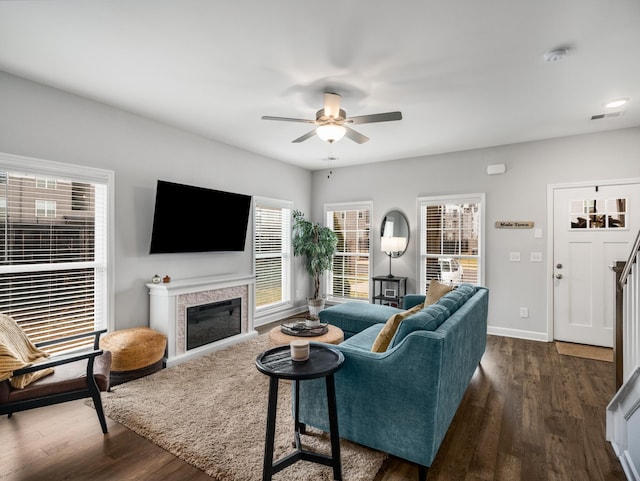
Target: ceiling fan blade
{"x": 332, "y": 105}
{"x": 306, "y": 136}
{"x": 355, "y": 136}
{"x": 368, "y": 119}
{"x": 288, "y": 119}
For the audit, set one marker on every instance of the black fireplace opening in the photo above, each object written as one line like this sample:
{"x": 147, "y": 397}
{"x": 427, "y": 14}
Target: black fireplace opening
{"x": 207, "y": 323}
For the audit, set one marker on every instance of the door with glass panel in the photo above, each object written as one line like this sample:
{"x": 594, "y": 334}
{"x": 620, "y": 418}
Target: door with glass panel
{"x": 593, "y": 227}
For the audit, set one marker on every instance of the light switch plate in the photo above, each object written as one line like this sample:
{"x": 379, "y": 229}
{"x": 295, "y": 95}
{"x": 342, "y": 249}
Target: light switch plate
{"x": 536, "y": 257}
{"x": 514, "y": 256}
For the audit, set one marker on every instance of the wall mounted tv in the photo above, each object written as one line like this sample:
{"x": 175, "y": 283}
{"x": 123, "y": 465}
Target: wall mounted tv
{"x": 196, "y": 219}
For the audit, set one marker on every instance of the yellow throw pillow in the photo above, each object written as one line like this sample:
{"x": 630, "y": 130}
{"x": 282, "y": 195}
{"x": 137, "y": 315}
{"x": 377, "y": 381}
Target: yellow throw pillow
{"x": 435, "y": 291}
{"x": 391, "y": 326}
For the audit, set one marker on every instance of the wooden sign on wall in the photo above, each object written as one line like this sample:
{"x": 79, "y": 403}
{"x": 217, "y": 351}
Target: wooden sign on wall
{"x": 513, "y": 224}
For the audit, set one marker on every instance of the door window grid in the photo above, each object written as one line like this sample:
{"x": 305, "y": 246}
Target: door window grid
{"x": 598, "y": 214}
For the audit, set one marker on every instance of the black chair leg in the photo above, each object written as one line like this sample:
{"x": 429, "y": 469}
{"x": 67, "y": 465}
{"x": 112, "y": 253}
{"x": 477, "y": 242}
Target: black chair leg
{"x": 97, "y": 402}
{"x": 422, "y": 473}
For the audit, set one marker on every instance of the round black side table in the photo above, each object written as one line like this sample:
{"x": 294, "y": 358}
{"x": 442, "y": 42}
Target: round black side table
{"x": 277, "y": 364}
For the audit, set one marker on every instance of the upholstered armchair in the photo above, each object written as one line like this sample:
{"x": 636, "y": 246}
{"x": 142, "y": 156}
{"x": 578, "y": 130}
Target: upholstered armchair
{"x": 45, "y": 380}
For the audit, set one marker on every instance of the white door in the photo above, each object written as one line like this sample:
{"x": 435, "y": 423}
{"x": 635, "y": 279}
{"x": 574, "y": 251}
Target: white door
{"x": 593, "y": 227}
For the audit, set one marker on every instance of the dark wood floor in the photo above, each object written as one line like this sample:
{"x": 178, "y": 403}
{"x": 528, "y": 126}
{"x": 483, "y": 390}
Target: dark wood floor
{"x": 529, "y": 414}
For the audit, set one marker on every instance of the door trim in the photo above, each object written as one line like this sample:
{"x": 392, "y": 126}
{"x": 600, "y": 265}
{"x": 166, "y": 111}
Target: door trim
{"x": 551, "y": 188}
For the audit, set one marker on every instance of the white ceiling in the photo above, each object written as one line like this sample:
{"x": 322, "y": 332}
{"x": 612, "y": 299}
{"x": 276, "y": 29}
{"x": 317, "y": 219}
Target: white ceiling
{"x": 464, "y": 73}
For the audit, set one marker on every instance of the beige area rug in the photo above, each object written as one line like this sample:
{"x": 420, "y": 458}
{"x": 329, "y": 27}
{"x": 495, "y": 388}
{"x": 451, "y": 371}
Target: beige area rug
{"x": 587, "y": 352}
{"x": 211, "y": 412}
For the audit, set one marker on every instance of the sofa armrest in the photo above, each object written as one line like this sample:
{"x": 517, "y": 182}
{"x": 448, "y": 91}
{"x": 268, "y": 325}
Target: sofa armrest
{"x": 387, "y": 401}
{"x": 411, "y": 300}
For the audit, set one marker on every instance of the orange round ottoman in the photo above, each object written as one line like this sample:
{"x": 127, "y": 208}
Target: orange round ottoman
{"x": 135, "y": 352}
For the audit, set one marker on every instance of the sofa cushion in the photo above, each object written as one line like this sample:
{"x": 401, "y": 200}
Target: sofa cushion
{"x": 353, "y": 317}
{"x": 428, "y": 319}
{"x": 364, "y": 339}
{"x": 435, "y": 291}
{"x": 454, "y": 299}
{"x": 390, "y": 327}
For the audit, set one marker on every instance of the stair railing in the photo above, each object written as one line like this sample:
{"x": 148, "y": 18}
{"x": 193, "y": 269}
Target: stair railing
{"x": 623, "y": 412}
{"x": 627, "y": 334}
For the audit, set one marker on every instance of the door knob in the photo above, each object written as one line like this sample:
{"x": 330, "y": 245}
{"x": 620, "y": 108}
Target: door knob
{"x": 558, "y": 276}
{"x": 559, "y": 266}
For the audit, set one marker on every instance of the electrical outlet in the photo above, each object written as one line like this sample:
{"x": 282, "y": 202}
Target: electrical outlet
{"x": 514, "y": 256}
{"x": 536, "y": 257}
{"x": 524, "y": 312}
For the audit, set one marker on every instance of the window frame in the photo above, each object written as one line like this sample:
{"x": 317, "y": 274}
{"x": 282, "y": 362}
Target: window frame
{"x": 477, "y": 198}
{"x": 42, "y": 168}
{"x": 45, "y": 208}
{"x": 262, "y": 312}
{"x": 328, "y": 278}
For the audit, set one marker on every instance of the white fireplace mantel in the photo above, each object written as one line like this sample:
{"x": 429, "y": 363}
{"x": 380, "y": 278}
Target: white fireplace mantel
{"x": 168, "y": 303}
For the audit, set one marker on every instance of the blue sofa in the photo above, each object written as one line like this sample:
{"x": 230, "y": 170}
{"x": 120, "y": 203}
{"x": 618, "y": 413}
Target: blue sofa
{"x": 402, "y": 401}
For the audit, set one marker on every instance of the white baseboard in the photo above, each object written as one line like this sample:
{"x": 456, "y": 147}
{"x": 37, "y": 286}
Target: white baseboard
{"x": 623, "y": 425}
{"x": 276, "y": 316}
{"x": 517, "y": 333}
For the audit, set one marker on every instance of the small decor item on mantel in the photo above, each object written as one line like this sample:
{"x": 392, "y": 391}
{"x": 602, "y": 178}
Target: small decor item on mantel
{"x": 156, "y": 279}
{"x": 166, "y": 279}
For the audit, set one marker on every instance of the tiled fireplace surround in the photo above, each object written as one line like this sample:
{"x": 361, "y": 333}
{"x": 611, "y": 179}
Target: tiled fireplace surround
{"x": 168, "y": 304}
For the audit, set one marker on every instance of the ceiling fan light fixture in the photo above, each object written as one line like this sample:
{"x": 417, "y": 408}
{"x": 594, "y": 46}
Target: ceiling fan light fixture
{"x": 331, "y": 132}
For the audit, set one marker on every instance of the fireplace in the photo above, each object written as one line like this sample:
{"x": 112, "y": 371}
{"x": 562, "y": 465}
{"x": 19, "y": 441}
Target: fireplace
{"x": 201, "y": 315}
{"x": 207, "y": 323}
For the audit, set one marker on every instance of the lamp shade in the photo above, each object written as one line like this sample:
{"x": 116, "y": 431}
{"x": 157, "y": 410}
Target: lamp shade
{"x": 331, "y": 132}
{"x": 393, "y": 244}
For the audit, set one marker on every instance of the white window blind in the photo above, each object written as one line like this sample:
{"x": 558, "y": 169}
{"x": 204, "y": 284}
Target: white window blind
{"x": 349, "y": 278}
{"x": 451, "y": 239}
{"x": 272, "y": 246}
{"x": 53, "y": 262}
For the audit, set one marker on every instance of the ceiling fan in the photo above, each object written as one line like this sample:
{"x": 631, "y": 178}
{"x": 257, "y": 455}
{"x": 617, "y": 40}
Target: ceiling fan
{"x": 333, "y": 124}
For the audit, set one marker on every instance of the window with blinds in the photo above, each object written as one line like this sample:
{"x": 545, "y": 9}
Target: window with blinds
{"x": 53, "y": 264}
{"x": 451, "y": 239}
{"x": 272, "y": 247}
{"x": 349, "y": 278}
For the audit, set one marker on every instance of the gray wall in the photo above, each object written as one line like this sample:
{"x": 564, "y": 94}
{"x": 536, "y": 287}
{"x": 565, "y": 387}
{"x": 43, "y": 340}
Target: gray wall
{"x": 519, "y": 194}
{"x": 42, "y": 122}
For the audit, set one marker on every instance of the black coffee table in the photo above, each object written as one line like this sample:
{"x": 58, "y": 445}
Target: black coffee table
{"x": 277, "y": 364}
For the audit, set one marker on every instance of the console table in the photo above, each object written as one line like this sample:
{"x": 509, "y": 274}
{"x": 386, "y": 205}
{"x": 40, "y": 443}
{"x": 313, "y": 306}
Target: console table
{"x": 277, "y": 364}
{"x": 389, "y": 290}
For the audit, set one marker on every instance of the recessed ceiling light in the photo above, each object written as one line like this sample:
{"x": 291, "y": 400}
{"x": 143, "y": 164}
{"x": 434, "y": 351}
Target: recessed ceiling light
{"x": 614, "y": 104}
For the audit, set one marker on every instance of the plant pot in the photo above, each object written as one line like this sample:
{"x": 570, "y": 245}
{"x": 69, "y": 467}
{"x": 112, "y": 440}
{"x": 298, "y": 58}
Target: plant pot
{"x": 313, "y": 322}
{"x": 315, "y": 306}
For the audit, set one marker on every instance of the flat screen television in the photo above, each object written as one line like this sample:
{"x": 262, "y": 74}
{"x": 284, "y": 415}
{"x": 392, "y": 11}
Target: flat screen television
{"x": 196, "y": 219}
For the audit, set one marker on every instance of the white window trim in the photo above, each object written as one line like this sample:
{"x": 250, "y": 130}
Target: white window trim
{"x": 327, "y": 281}
{"x": 49, "y": 168}
{"x": 265, "y": 312}
{"x": 439, "y": 199}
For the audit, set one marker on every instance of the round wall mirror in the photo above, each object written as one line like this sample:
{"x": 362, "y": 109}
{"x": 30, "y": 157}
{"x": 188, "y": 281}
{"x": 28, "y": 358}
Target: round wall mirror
{"x": 394, "y": 233}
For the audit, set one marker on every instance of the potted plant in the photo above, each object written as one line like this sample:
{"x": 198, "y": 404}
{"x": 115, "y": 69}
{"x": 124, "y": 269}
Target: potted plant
{"x": 318, "y": 245}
